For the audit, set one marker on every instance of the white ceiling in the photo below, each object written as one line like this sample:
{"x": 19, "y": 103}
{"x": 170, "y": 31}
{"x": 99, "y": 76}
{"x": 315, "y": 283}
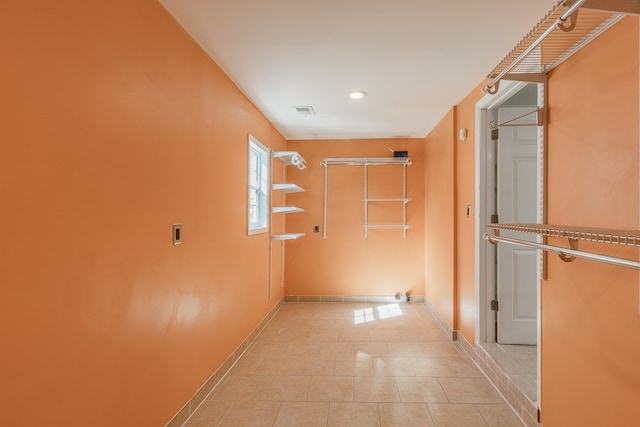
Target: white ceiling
{"x": 414, "y": 58}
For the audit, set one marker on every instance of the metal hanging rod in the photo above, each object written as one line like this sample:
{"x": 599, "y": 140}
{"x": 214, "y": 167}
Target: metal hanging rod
{"x": 359, "y": 161}
{"x": 566, "y": 254}
{"x": 600, "y": 235}
{"x": 509, "y": 123}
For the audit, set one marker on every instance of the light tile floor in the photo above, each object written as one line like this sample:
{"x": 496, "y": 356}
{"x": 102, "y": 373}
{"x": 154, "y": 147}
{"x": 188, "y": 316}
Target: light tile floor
{"x": 354, "y": 365}
{"x": 520, "y": 362}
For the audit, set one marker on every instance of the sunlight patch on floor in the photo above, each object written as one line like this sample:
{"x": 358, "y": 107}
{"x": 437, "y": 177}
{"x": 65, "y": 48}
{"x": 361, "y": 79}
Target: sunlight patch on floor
{"x": 363, "y": 316}
{"x": 387, "y": 311}
{"x": 382, "y": 312}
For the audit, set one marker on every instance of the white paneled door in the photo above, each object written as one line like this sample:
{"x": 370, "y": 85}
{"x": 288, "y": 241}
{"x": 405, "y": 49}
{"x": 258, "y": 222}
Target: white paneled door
{"x": 516, "y": 191}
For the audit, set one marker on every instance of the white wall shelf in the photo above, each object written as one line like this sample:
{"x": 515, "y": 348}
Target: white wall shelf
{"x": 289, "y": 158}
{"x": 287, "y": 188}
{"x": 286, "y": 209}
{"x": 361, "y": 161}
{"x": 387, "y": 227}
{"x": 403, "y": 200}
{"x": 287, "y": 236}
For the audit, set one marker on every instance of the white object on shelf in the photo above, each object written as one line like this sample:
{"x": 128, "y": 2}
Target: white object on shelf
{"x": 286, "y": 209}
{"x": 291, "y": 158}
{"x": 287, "y": 236}
{"x": 287, "y": 188}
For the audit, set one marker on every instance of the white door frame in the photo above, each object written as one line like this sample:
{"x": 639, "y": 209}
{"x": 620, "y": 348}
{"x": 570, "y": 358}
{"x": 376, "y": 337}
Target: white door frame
{"x": 484, "y": 274}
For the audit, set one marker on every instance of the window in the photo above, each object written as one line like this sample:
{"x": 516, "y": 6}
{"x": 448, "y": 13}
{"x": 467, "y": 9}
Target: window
{"x": 258, "y": 199}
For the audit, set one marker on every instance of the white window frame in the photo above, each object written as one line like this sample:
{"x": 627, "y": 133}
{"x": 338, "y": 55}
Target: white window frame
{"x": 258, "y": 187}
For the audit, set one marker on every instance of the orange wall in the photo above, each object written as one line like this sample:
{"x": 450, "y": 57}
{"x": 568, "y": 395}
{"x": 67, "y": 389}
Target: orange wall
{"x": 465, "y": 227}
{"x": 439, "y": 218}
{"x": 449, "y": 234}
{"x": 590, "y": 313}
{"x": 345, "y": 263}
{"x": 114, "y": 126}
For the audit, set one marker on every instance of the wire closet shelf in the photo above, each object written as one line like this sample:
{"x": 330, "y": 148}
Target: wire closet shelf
{"x": 567, "y": 27}
{"x": 574, "y": 235}
{"x": 366, "y": 162}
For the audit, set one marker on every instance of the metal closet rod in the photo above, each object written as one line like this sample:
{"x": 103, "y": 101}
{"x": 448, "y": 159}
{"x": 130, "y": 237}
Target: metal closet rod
{"x": 359, "y": 161}
{"x": 557, "y": 24}
{"x": 565, "y": 253}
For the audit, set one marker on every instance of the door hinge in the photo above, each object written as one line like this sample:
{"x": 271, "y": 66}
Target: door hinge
{"x": 494, "y": 305}
{"x": 494, "y": 219}
{"x": 494, "y": 134}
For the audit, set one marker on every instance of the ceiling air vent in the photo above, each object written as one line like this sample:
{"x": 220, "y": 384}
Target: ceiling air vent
{"x": 305, "y": 110}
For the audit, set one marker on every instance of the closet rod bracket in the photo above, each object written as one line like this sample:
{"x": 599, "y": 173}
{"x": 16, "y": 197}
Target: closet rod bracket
{"x": 573, "y": 244}
{"x": 492, "y": 89}
{"x": 573, "y": 18}
{"x": 496, "y": 233}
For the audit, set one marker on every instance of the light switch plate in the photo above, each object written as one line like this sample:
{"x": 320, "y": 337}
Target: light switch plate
{"x": 177, "y": 234}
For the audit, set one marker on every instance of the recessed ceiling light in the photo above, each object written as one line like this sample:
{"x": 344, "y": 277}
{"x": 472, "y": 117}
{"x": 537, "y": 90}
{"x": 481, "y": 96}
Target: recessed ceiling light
{"x": 357, "y": 94}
